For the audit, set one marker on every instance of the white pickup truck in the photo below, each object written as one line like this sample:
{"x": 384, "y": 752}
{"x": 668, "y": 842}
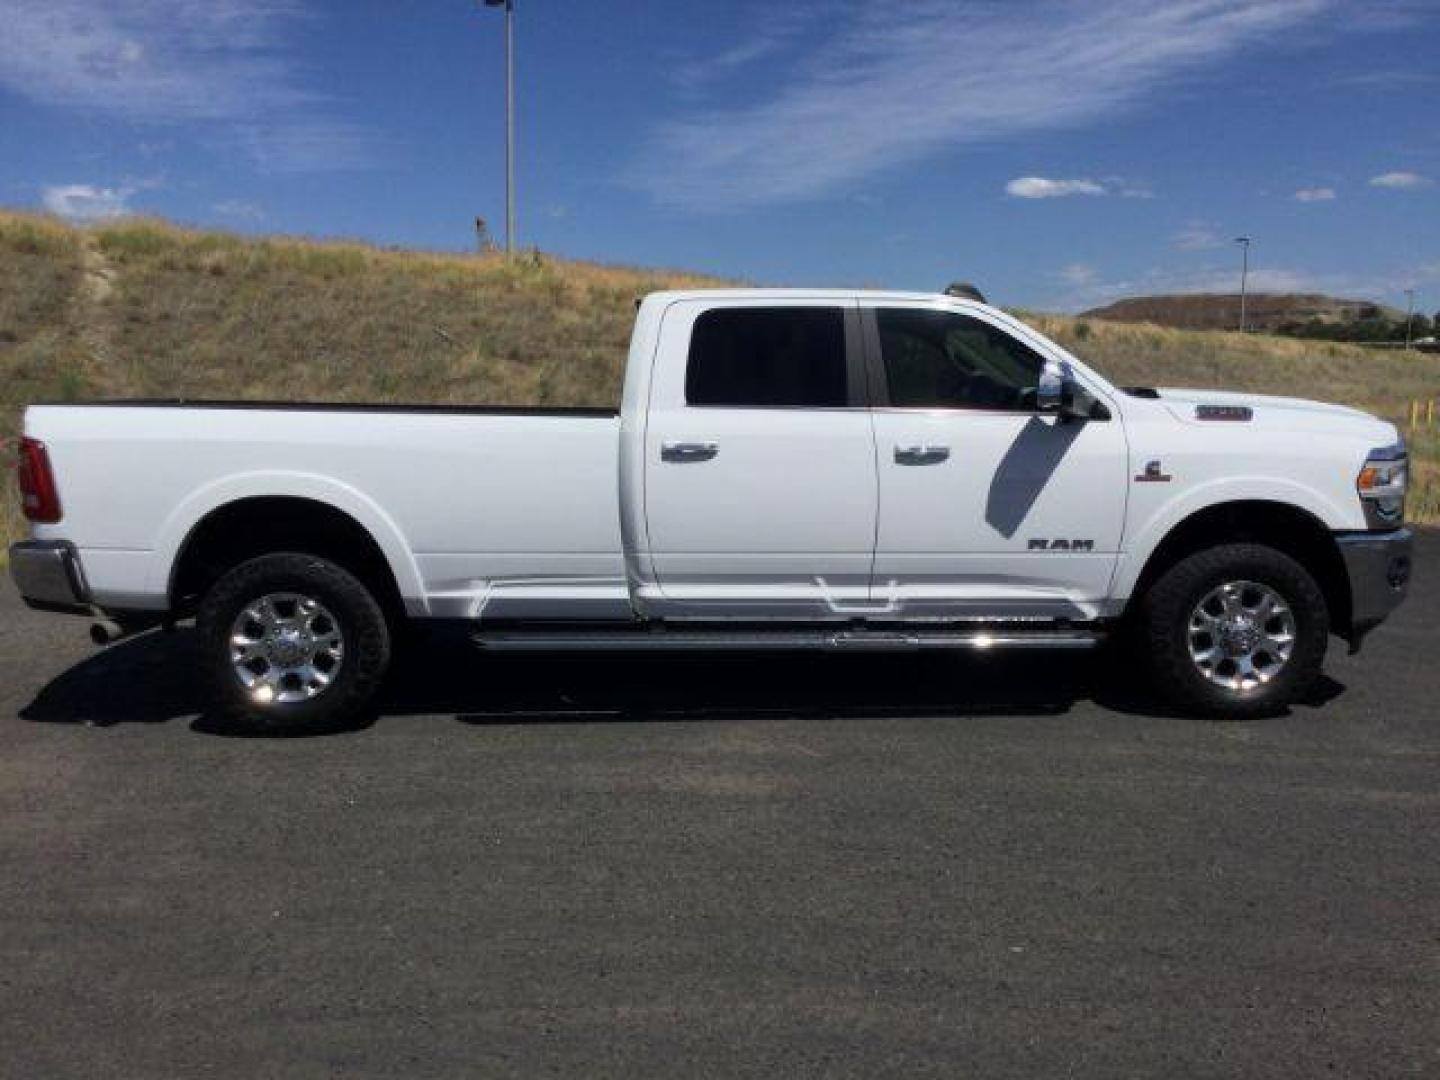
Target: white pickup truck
{"x": 788, "y": 470}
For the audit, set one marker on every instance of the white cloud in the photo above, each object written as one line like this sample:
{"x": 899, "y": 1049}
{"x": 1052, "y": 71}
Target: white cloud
{"x": 222, "y": 63}
{"x": 1386, "y": 79}
{"x": 86, "y": 202}
{"x": 885, "y": 91}
{"x": 161, "y": 60}
{"x": 1041, "y": 187}
{"x": 240, "y": 210}
{"x": 1044, "y": 187}
{"x": 1198, "y": 236}
{"x": 780, "y": 28}
{"x": 722, "y": 64}
{"x": 1315, "y": 194}
{"x": 306, "y": 146}
{"x": 1079, "y": 275}
{"x": 1400, "y": 181}
{"x": 1389, "y": 15}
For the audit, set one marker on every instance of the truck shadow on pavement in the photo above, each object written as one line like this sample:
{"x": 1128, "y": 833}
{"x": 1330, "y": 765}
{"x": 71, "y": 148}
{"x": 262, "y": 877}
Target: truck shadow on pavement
{"x": 152, "y": 679}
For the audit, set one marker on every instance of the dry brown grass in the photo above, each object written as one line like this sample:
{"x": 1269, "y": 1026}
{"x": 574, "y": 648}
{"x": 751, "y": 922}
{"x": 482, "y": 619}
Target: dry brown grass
{"x": 213, "y": 315}
{"x": 144, "y": 308}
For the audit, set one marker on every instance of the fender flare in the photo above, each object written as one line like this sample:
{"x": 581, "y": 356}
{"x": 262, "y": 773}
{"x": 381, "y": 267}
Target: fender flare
{"x": 365, "y": 511}
{"x": 1139, "y": 549}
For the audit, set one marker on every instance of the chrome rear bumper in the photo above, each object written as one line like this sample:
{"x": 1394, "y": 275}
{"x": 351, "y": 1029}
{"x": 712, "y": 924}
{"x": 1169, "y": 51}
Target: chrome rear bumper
{"x": 49, "y": 576}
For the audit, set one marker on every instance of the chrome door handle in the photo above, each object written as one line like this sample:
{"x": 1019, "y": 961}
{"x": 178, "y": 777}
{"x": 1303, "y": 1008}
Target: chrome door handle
{"x": 688, "y": 451}
{"x": 918, "y": 454}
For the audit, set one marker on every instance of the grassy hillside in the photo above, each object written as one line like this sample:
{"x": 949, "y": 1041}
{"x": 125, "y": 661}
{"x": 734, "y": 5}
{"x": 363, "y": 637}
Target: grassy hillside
{"x": 141, "y": 308}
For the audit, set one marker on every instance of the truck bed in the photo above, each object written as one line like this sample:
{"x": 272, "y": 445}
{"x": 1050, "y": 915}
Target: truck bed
{"x": 472, "y": 503}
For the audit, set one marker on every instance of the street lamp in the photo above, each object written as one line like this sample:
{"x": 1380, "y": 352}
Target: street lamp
{"x": 1244, "y": 242}
{"x": 1409, "y": 315}
{"x": 509, "y": 6}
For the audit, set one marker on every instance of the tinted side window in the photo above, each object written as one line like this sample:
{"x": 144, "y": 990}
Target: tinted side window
{"x": 945, "y": 360}
{"x": 768, "y": 358}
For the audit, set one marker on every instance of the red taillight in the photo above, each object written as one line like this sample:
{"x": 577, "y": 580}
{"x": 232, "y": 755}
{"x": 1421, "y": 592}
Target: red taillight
{"x": 38, "y": 496}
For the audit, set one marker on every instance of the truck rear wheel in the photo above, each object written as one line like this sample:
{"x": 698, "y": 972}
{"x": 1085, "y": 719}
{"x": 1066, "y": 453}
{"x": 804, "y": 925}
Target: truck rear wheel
{"x": 1234, "y": 631}
{"x": 291, "y": 641}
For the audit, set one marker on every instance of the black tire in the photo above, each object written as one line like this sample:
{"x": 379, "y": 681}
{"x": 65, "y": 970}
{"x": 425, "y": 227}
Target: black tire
{"x": 356, "y": 674}
{"x": 1163, "y": 631}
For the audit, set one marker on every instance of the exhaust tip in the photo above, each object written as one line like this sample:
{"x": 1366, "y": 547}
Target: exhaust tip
{"x": 105, "y": 631}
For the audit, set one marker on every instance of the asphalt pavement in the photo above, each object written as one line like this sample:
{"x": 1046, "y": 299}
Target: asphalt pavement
{"x": 894, "y": 865}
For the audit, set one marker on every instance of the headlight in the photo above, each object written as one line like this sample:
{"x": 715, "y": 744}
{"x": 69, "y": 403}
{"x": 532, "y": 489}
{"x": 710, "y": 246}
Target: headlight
{"x": 1382, "y": 483}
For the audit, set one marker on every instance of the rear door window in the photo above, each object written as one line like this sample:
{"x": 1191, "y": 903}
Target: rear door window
{"x": 768, "y": 358}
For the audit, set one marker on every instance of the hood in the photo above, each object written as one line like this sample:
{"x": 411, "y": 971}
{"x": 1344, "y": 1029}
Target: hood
{"x": 1278, "y": 413}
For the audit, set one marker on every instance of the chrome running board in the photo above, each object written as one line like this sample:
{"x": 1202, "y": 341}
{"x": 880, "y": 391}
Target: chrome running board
{"x": 667, "y": 639}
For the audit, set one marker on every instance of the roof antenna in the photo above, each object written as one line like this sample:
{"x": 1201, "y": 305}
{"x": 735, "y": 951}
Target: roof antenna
{"x": 965, "y": 291}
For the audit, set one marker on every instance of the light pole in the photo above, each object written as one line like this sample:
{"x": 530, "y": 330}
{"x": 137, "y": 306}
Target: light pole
{"x": 1409, "y": 315}
{"x": 509, "y": 6}
{"x": 1244, "y": 242}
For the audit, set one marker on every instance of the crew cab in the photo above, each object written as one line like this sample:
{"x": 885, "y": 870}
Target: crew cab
{"x": 788, "y": 470}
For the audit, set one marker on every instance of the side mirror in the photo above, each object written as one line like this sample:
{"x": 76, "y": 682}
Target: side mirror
{"x": 1051, "y": 393}
{"x": 1060, "y": 394}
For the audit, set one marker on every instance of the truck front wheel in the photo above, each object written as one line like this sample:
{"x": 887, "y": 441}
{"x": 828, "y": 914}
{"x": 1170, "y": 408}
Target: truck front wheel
{"x": 1234, "y": 631}
{"x": 291, "y": 641}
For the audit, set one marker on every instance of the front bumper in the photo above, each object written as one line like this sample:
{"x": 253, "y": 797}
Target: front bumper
{"x": 49, "y": 576}
{"x": 1378, "y": 565}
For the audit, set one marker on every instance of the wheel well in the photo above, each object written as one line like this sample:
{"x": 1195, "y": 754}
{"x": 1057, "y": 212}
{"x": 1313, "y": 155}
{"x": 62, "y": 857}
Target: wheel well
{"x": 1286, "y": 528}
{"x": 249, "y": 528}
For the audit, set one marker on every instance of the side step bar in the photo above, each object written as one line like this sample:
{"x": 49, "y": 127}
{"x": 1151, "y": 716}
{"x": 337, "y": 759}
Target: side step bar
{"x": 669, "y": 640}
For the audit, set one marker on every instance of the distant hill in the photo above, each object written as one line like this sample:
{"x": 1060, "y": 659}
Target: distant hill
{"x": 1263, "y": 311}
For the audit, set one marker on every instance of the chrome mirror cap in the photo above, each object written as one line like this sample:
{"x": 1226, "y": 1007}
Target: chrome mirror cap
{"x": 1050, "y": 394}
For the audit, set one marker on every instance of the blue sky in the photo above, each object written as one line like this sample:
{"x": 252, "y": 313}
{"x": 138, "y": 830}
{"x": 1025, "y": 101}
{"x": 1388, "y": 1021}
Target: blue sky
{"x": 1060, "y": 153}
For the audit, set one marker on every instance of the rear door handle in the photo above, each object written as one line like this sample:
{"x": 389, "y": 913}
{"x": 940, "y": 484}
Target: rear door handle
{"x": 921, "y": 454}
{"x": 681, "y": 452}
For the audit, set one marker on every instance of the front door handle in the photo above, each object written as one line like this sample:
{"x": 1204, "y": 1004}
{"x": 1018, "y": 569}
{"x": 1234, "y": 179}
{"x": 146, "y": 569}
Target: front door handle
{"x": 918, "y": 454}
{"x": 681, "y": 452}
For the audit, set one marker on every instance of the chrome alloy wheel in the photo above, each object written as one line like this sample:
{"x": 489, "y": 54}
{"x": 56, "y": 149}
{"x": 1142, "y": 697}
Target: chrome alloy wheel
{"x": 286, "y": 648}
{"x": 1241, "y": 635}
